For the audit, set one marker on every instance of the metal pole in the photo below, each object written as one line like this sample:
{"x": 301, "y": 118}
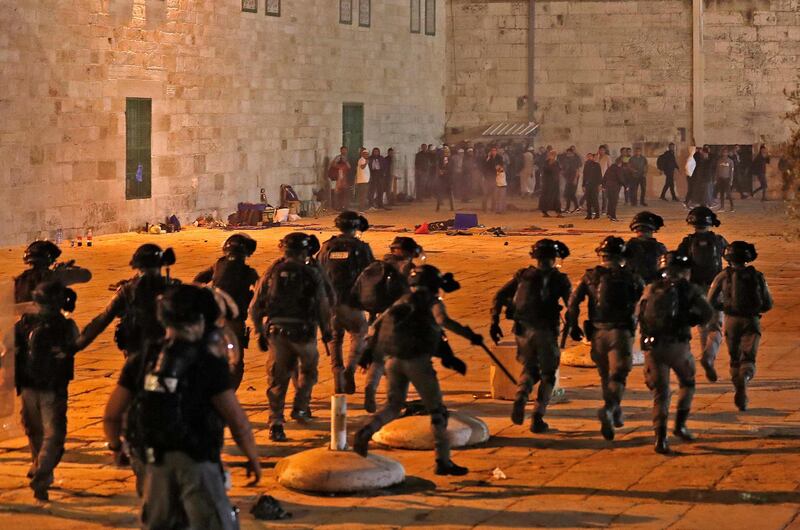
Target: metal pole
{"x": 531, "y": 55}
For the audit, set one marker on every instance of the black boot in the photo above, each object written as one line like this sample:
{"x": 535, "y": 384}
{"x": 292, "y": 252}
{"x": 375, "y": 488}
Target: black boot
{"x": 518, "y": 410}
{"x": 538, "y": 425}
{"x": 662, "y": 444}
{"x": 711, "y": 372}
{"x": 619, "y": 418}
{"x": 301, "y": 416}
{"x": 680, "y": 426}
{"x": 349, "y": 377}
{"x": 370, "y": 403}
{"x": 450, "y": 468}
{"x": 338, "y": 381}
{"x": 740, "y": 397}
{"x": 276, "y": 433}
{"x": 606, "y": 425}
{"x": 361, "y": 442}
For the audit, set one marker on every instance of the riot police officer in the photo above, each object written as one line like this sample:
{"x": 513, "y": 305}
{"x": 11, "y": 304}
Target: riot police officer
{"x": 233, "y": 275}
{"x": 44, "y": 342}
{"x": 178, "y": 398}
{"x": 289, "y": 304}
{"x": 408, "y": 334}
{"x": 532, "y": 297}
{"x": 668, "y": 309}
{"x": 41, "y": 256}
{"x": 644, "y": 250}
{"x": 705, "y": 249}
{"x": 378, "y": 286}
{"x": 344, "y": 257}
{"x": 741, "y": 292}
{"x": 613, "y": 292}
{"x": 134, "y": 302}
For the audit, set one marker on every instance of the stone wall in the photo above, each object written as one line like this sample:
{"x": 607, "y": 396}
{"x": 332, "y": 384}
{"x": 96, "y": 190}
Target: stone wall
{"x": 240, "y": 101}
{"x": 620, "y": 71}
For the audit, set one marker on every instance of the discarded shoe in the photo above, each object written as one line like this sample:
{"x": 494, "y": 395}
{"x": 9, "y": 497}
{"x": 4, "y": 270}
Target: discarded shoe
{"x": 267, "y": 508}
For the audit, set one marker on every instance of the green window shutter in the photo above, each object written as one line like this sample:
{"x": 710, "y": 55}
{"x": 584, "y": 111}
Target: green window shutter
{"x": 138, "y": 147}
{"x": 353, "y": 128}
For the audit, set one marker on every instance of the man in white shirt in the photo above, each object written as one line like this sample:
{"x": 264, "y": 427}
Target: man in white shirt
{"x": 362, "y": 180}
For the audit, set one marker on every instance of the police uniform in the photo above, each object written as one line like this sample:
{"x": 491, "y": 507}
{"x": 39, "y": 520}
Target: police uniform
{"x": 669, "y": 349}
{"x": 44, "y": 344}
{"x": 532, "y": 297}
{"x": 408, "y": 335}
{"x": 742, "y": 318}
{"x": 183, "y": 483}
{"x": 350, "y": 253}
{"x": 289, "y": 325}
{"x": 643, "y": 255}
{"x": 134, "y": 303}
{"x": 40, "y": 256}
{"x": 231, "y": 274}
{"x": 611, "y": 329}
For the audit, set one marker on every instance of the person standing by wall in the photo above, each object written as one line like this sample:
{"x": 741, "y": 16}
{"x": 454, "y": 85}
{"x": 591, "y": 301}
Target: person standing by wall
{"x": 339, "y": 173}
{"x": 471, "y": 175}
{"x": 377, "y": 177}
{"x": 668, "y": 164}
{"x": 592, "y": 179}
{"x": 550, "y": 200}
{"x": 639, "y": 181}
{"x": 362, "y": 180}
{"x": 723, "y": 176}
{"x": 421, "y": 172}
{"x": 444, "y": 182}
{"x": 526, "y": 183}
{"x": 570, "y": 164}
{"x": 612, "y": 183}
{"x": 457, "y": 172}
{"x": 490, "y": 163}
{"x": 759, "y": 170}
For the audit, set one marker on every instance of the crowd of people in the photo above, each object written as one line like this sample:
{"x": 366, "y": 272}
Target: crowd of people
{"x": 184, "y": 343}
{"x": 564, "y": 182}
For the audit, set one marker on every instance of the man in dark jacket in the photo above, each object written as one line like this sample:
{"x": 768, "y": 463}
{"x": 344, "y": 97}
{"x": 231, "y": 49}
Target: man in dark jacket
{"x": 613, "y": 181}
{"x": 758, "y": 169}
{"x": 668, "y": 164}
{"x": 592, "y": 179}
{"x": 421, "y": 172}
{"x": 377, "y": 178}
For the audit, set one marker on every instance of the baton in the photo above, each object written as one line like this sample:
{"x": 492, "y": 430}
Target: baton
{"x": 498, "y": 363}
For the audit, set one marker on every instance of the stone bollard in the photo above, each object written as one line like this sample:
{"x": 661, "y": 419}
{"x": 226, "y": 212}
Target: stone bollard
{"x": 338, "y": 422}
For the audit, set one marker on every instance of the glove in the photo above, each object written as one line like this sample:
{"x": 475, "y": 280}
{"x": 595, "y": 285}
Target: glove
{"x": 476, "y": 339}
{"x": 455, "y": 364}
{"x": 263, "y": 343}
{"x": 576, "y": 333}
{"x": 495, "y": 332}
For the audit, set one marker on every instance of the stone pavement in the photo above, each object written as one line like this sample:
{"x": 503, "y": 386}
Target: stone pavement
{"x": 741, "y": 473}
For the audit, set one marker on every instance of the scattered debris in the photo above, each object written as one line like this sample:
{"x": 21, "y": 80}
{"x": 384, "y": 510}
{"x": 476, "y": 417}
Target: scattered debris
{"x": 498, "y": 474}
{"x": 496, "y": 231}
{"x": 568, "y": 225}
{"x": 267, "y": 508}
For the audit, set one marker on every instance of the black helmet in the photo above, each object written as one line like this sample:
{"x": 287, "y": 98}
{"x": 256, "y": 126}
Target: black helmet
{"x": 298, "y": 241}
{"x": 54, "y": 294}
{"x": 549, "y": 249}
{"x": 647, "y": 220}
{"x": 430, "y": 278}
{"x": 239, "y": 245}
{"x": 674, "y": 260}
{"x": 45, "y": 252}
{"x": 348, "y": 220}
{"x": 313, "y": 245}
{"x": 150, "y": 256}
{"x": 612, "y": 246}
{"x": 185, "y": 304}
{"x": 702, "y": 216}
{"x": 740, "y": 252}
{"x": 407, "y": 245}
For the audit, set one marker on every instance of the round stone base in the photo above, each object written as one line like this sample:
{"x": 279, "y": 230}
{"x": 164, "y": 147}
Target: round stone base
{"x": 414, "y": 432}
{"x": 324, "y": 471}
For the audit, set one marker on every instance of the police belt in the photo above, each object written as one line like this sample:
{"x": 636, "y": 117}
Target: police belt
{"x": 291, "y": 328}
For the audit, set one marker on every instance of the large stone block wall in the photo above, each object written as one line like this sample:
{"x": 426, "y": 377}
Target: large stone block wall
{"x": 240, "y": 101}
{"x": 620, "y": 71}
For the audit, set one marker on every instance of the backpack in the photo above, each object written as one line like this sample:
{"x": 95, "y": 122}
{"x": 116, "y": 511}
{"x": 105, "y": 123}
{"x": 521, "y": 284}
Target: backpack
{"x": 292, "y": 291}
{"x": 706, "y": 257}
{"x": 661, "y": 161}
{"x": 157, "y": 421}
{"x": 140, "y": 323}
{"x": 344, "y": 260}
{"x": 643, "y": 256}
{"x": 234, "y": 277}
{"x": 742, "y": 296}
{"x": 408, "y": 330}
{"x": 536, "y": 297}
{"x": 615, "y": 300}
{"x": 379, "y": 286}
{"x": 664, "y": 311}
{"x": 43, "y": 361}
